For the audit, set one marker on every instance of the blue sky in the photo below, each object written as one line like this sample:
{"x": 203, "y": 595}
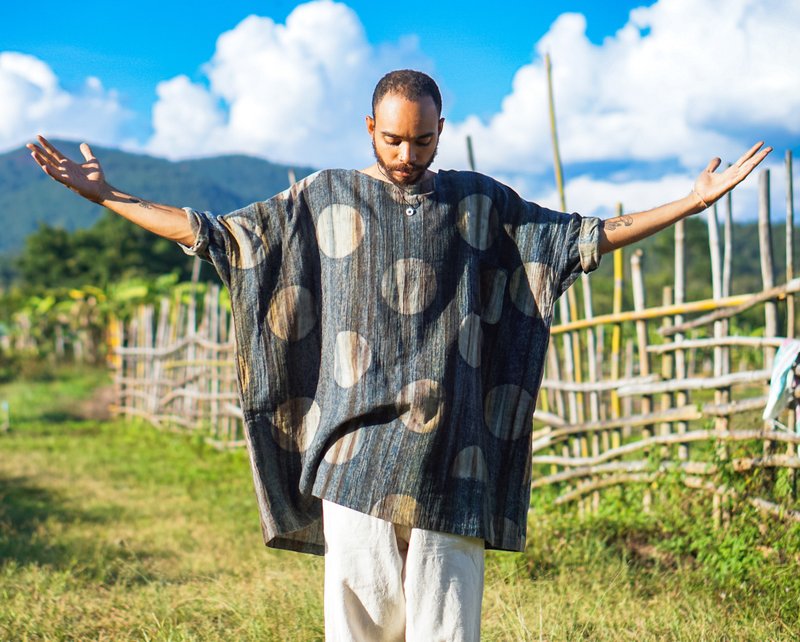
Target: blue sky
{"x": 132, "y": 46}
{"x": 646, "y": 92}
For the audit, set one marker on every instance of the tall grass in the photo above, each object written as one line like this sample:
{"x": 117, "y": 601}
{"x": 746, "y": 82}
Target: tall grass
{"x": 115, "y": 531}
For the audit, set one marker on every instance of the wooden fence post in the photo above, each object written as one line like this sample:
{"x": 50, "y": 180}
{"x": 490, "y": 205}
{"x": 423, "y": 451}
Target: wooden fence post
{"x": 679, "y": 295}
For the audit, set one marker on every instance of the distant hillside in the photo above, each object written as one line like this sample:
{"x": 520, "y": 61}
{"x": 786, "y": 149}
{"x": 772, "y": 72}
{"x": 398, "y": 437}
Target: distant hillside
{"x": 219, "y": 184}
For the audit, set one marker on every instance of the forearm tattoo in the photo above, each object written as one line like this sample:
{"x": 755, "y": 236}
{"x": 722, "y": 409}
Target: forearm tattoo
{"x": 620, "y": 221}
{"x": 145, "y": 204}
{"x": 141, "y": 203}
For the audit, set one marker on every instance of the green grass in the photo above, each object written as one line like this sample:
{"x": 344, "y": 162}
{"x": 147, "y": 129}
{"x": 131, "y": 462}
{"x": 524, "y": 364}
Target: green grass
{"x": 115, "y": 531}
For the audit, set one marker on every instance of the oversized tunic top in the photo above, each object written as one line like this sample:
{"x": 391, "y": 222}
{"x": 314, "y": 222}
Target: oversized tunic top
{"x": 389, "y": 362}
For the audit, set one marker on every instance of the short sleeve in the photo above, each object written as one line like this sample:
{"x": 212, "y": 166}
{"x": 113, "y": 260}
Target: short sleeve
{"x": 565, "y": 244}
{"x": 199, "y": 224}
{"x": 240, "y": 240}
{"x": 581, "y": 250}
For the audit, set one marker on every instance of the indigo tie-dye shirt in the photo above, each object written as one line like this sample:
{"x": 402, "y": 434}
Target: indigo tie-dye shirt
{"x": 390, "y": 362}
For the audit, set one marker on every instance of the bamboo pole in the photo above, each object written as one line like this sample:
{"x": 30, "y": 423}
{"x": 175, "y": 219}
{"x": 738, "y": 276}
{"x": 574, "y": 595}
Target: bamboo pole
{"x": 790, "y": 307}
{"x": 693, "y": 468}
{"x": 470, "y": 153}
{"x": 688, "y": 437}
{"x": 627, "y": 402}
{"x": 601, "y": 359}
{"x": 767, "y": 278}
{"x": 161, "y": 339}
{"x": 726, "y": 341}
{"x": 735, "y": 407}
{"x": 599, "y": 386}
{"x": 790, "y": 300}
{"x": 554, "y": 369}
{"x": 685, "y": 308}
{"x": 667, "y": 399}
{"x": 569, "y": 312}
{"x": 149, "y": 339}
{"x": 213, "y": 303}
{"x": 546, "y": 439}
{"x": 554, "y": 132}
{"x": 721, "y": 395}
{"x": 575, "y": 416}
{"x": 767, "y": 262}
{"x": 616, "y": 334}
{"x": 697, "y": 383}
{"x": 569, "y": 365}
{"x": 594, "y": 399}
{"x": 191, "y": 350}
{"x": 727, "y": 257}
{"x": 644, "y": 358}
{"x": 745, "y": 302}
{"x": 681, "y": 397}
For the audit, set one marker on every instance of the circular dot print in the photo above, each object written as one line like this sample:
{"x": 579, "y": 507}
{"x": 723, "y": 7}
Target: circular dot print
{"x": 420, "y": 405}
{"x": 352, "y": 357}
{"x": 292, "y": 314}
{"x": 530, "y": 289}
{"x": 344, "y": 448}
{"x": 508, "y": 411}
{"x": 470, "y": 338}
{"x": 477, "y": 220}
{"x": 340, "y": 229}
{"x": 296, "y": 422}
{"x": 493, "y": 287}
{"x": 470, "y": 464}
{"x": 409, "y": 286}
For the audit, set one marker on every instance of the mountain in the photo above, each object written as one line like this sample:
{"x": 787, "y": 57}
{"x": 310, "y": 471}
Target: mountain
{"x": 219, "y": 184}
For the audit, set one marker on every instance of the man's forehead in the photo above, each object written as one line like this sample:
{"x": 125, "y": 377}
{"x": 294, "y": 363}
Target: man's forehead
{"x": 395, "y": 104}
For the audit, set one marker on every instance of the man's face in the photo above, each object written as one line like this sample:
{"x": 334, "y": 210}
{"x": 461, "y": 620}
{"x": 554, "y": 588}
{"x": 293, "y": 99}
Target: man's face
{"x": 405, "y": 136}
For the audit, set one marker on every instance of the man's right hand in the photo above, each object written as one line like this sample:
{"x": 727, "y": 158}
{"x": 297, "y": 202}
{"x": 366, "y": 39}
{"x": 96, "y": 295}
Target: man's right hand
{"x": 86, "y": 179}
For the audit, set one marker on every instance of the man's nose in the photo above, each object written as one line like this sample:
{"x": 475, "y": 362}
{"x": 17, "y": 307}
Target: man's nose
{"x": 407, "y": 154}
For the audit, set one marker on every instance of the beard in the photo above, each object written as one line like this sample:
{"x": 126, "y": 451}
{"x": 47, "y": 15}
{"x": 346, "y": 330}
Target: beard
{"x": 416, "y": 171}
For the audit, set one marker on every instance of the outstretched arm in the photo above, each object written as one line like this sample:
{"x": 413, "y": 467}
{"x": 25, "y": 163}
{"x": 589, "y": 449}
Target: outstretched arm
{"x": 708, "y": 188}
{"x": 88, "y": 180}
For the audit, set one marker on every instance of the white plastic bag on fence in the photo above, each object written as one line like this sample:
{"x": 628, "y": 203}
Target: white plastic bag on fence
{"x": 782, "y": 381}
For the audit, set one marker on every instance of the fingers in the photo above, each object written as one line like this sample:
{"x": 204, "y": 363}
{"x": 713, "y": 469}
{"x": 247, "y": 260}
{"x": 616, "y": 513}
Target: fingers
{"x": 760, "y": 156}
{"x": 39, "y": 154}
{"x": 750, "y": 152}
{"x": 51, "y": 149}
{"x": 751, "y": 159}
{"x": 87, "y": 152}
{"x": 712, "y": 165}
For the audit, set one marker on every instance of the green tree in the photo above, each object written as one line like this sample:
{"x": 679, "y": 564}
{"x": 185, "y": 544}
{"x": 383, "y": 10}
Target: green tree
{"x": 111, "y": 250}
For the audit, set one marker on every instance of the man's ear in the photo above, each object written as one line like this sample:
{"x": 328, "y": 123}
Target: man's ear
{"x": 441, "y": 125}
{"x": 370, "y": 125}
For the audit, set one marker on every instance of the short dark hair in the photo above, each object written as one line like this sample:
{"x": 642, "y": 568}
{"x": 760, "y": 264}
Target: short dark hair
{"x": 409, "y": 84}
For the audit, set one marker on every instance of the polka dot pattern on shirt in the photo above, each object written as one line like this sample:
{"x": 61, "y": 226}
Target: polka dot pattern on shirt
{"x": 292, "y": 314}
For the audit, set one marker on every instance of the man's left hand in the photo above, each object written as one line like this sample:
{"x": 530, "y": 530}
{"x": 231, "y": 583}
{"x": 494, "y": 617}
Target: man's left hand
{"x": 710, "y": 187}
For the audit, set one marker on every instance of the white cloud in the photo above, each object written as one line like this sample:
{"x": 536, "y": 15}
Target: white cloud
{"x": 295, "y": 92}
{"x": 682, "y": 81}
{"x": 34, "y": 102}
{"x": 600, "y": 195}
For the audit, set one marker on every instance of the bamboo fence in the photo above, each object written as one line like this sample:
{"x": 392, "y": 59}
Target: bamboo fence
{"x": 175, "y": 368}
{"x": 675, "y": 402}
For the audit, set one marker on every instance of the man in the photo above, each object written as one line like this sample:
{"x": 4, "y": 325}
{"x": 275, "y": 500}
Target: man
{"x": 391, "y": 325}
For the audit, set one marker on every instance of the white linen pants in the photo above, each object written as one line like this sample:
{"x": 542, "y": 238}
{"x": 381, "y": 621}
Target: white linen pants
{"x": 385, "y": 582}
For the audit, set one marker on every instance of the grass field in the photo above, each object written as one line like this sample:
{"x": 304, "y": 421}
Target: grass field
{"x": 115, "y": 531}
